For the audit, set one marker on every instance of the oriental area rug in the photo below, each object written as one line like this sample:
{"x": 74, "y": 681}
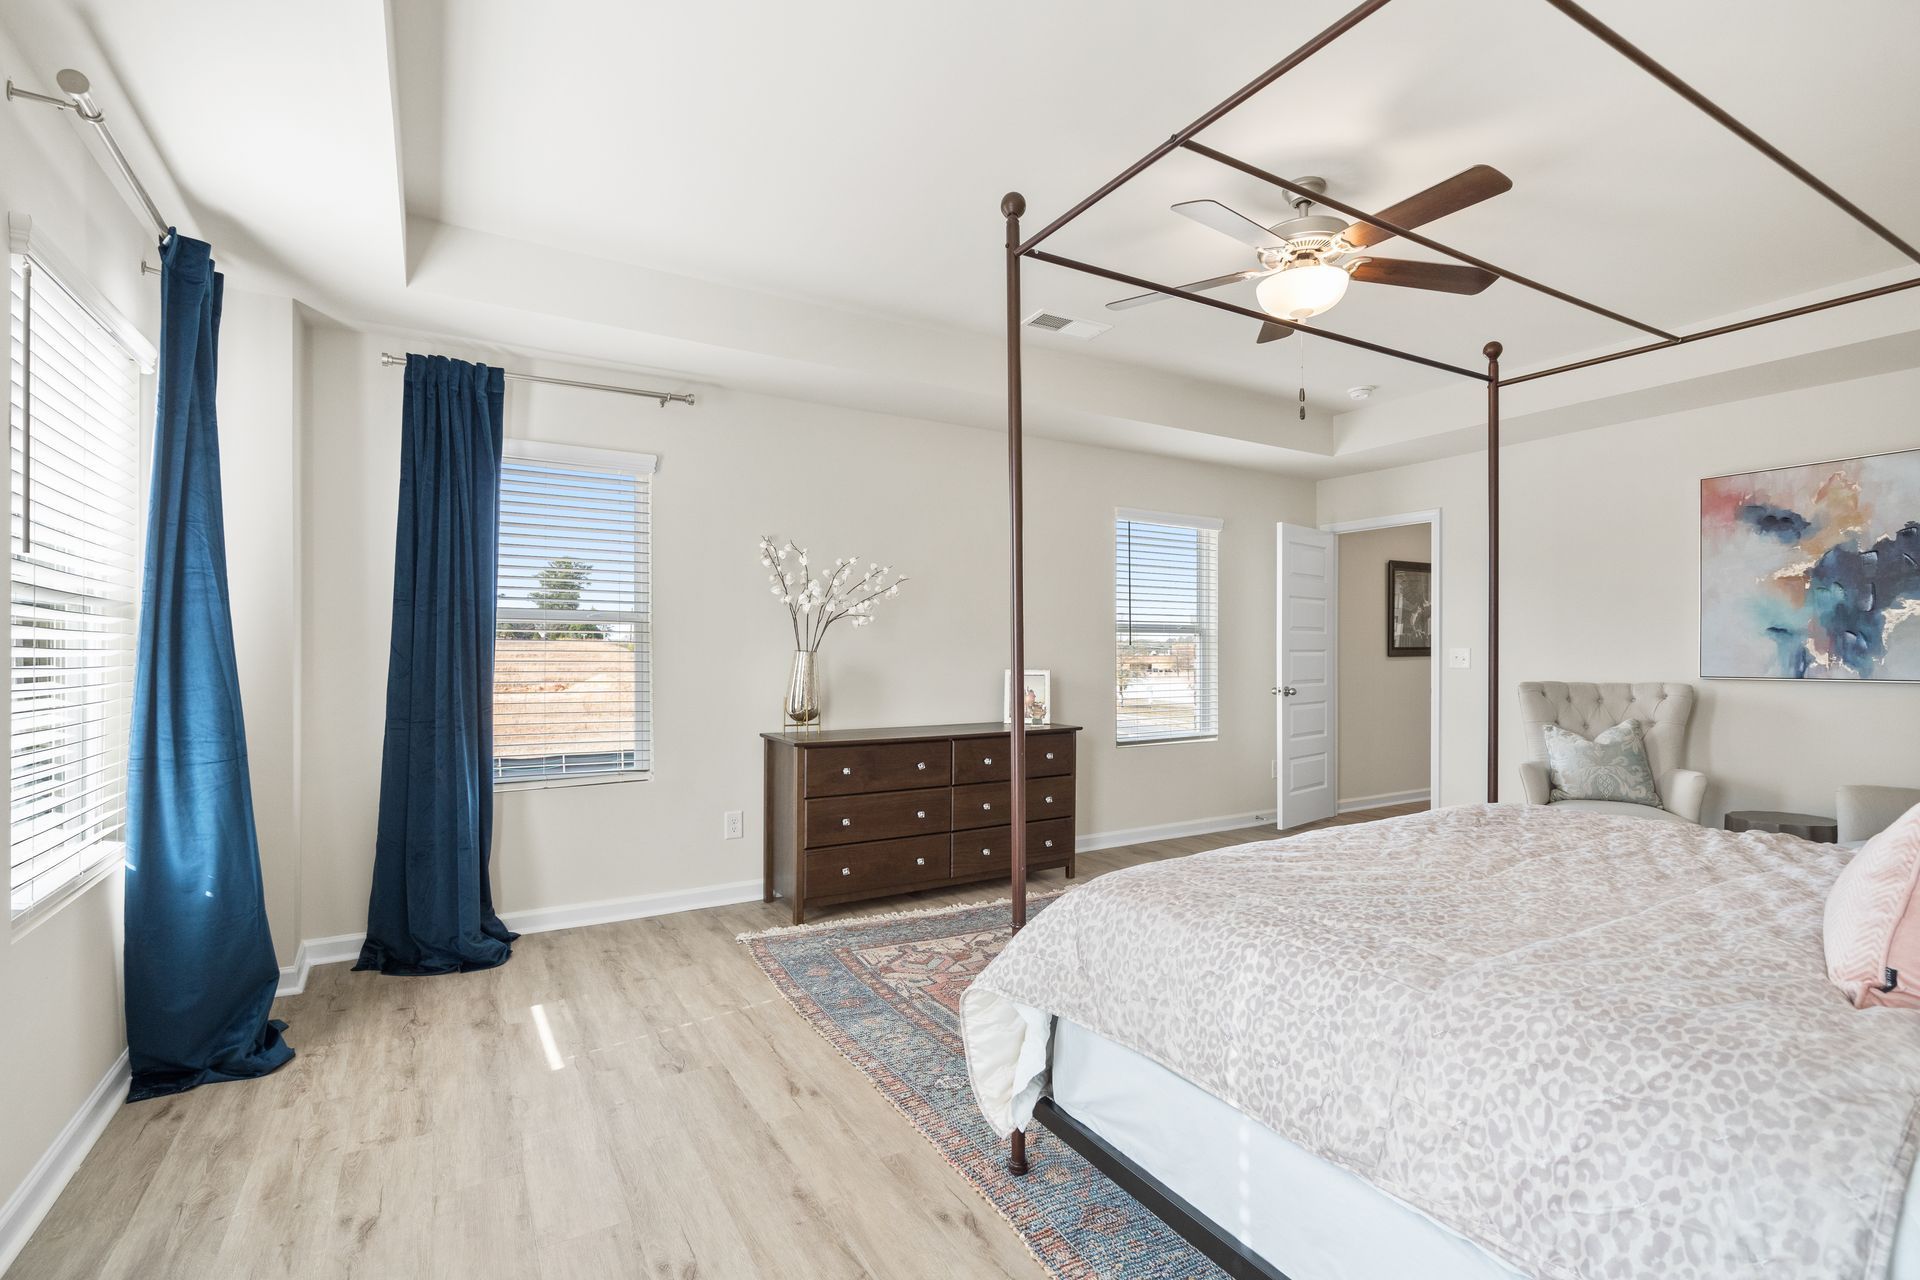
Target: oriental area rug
{"x": 885, "y": 991}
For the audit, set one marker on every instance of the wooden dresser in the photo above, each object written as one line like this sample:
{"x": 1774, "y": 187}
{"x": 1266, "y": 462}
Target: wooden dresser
{"x": 864, "y": 813}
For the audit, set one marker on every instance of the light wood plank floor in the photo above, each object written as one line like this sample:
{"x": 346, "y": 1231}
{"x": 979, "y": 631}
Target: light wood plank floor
{"x": 630, "y": 1099}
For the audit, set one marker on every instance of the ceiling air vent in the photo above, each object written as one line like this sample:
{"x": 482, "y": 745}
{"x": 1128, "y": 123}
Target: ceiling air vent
{"x": 1065, "y": 326}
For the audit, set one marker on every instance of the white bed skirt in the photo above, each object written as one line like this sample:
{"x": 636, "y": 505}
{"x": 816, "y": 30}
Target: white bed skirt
{"x": 1310, "y": 1219}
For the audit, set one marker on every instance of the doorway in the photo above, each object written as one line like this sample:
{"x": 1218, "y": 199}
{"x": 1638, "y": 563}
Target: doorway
{"x": 1357, "y": 653}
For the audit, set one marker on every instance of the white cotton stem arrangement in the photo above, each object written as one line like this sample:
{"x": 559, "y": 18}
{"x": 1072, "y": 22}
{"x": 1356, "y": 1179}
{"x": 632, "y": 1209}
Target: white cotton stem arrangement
{"x": 816, "y": 601}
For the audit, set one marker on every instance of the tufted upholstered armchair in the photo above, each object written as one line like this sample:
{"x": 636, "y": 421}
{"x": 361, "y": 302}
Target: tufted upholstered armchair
{"x": 1662, "y": 710}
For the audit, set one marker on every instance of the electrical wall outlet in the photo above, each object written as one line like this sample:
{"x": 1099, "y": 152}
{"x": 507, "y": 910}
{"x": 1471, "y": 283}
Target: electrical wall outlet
{"x": 1460, "y": 658}
{"x": 735, "y": 825}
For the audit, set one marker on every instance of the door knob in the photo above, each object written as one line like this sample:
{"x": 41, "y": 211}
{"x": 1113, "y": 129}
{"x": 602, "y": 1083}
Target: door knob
{"x": 1286, "y": 691}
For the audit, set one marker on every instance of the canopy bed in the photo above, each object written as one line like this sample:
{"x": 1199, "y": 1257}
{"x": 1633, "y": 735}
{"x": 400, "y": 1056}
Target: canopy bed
{"x": 1038, "y": 1005}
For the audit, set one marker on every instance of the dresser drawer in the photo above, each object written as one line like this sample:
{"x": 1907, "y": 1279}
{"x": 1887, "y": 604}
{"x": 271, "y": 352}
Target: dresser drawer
{"x": 880, "y": 865}
{"x": 1049, "y": 844}
{"x": 893, "y": 766}
{"x": 847, "y": 819}
{"x": 1049, "y": 754}
{"x": 989, "y": 804}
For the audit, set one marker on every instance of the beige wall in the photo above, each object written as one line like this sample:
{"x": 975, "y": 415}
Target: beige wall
{"x": 927, "y": 497}
{"x": 1601, "y": 582}
{"x": 1384, "y": 703}
{"x": 260, "y": 359}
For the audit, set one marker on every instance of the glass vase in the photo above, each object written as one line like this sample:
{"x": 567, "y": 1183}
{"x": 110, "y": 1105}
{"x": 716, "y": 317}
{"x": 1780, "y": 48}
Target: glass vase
{"x": 803, "y": 689}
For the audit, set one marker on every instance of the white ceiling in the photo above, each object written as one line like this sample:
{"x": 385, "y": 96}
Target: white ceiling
{"x": 850, "y": 155}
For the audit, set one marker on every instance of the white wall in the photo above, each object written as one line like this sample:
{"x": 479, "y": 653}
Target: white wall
{"x": 261, "y": 360}
{"x": 927, "y": 497}
{"x": 1385, "y": 707}
{"x": 60, "y": 981}
{"x": 1600, "y": 581}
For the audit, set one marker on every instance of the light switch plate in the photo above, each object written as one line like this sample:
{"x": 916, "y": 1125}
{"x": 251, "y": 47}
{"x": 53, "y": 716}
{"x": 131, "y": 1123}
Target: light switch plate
{"x": 1461, "y": 658}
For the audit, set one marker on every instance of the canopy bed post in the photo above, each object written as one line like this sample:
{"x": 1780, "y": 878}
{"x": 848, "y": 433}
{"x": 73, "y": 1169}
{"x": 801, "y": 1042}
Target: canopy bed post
{"x": 1492, "y": 352}
{"x": 1012, "y": 205}
{"x": 1224, "y": 1247}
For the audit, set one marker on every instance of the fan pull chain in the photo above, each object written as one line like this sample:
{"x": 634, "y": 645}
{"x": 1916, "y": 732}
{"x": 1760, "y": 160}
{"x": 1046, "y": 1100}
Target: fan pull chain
{"x": 1303, "y": 377}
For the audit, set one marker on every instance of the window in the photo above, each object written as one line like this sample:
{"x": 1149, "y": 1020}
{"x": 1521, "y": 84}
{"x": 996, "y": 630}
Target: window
{"x": 75, "y": 537}
{"x": 572, "y": 689}
{"x": 1166, "y": 623}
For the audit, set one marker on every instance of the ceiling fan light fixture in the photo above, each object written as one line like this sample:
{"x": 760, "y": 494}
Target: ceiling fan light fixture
{"x": 1302, "y": 290}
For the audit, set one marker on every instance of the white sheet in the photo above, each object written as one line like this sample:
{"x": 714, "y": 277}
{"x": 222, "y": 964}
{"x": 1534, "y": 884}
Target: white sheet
{"x": 1310, "y": 1219}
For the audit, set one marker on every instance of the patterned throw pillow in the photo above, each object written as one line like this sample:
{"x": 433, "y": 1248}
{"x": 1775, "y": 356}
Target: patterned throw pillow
{"x": 1613, "y": 766}
{"x": 1873, "y": 919}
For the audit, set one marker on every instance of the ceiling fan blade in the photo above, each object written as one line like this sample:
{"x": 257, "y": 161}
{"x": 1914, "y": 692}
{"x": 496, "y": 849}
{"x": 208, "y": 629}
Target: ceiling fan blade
{"x": 1271, "y": 332}
{"x": 1446, "y": 277}
{"x": 1482, "y": 182}
{"x": 1211, "y": 213}
{"x": 1198, "y": 286}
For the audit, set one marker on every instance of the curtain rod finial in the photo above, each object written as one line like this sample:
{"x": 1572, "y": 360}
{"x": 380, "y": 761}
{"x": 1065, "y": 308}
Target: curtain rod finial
{"x": 1012, "y": 205}
{"x": 1492, "y": 350}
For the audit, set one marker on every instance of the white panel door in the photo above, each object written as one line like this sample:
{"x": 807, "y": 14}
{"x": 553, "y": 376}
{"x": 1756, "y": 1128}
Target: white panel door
{"x": 1304, "y": 689}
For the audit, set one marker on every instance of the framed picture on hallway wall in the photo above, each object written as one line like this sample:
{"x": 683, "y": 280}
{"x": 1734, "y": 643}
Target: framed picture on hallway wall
{"x": 1409, "y": 609}
{"x": 1812, "y": 572}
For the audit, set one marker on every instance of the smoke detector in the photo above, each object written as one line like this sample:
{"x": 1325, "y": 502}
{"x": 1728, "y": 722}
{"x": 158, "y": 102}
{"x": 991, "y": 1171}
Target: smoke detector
{"x": 1065, "y": 326}
{"x": 1362, "y": 391}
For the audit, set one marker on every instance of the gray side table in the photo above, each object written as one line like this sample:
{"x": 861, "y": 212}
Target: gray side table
{"x": 1808, "y": 826}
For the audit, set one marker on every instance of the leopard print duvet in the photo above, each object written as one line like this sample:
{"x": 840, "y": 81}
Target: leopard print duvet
{"x": 1599, "y": 1047}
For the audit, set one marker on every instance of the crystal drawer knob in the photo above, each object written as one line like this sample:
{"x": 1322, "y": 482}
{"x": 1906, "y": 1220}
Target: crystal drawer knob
{"x": 921, "y": 862}
{"x": 921, "y": 765}
{"x": 1049, "y": 844}
{"x": 986, "y": 804}
{"x": 1049, "y": 755}
{"x": 848, "y": 772}
{"x": 988, "y": 760}
{"x": 920, "y": 814}
{"x": 846, "y": 871}
{"x": 1049, "y": 799}
{"x": 986, "y": 853}
{"x": 846, "y": 822}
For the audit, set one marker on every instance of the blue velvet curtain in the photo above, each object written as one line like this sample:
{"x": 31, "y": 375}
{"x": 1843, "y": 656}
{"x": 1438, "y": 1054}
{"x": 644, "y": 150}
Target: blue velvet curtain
{"x": 431, "y": 910}
{"x": 200, "y": 968}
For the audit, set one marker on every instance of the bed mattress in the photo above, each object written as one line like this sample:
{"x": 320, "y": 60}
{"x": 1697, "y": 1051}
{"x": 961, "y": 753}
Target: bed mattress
{"x": 1310, "y": 1219}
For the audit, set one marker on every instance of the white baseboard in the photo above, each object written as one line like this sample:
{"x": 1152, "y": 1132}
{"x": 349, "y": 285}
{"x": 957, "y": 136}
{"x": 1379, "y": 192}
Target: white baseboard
{"x": 49, "y": 1176}
{"x": 346, "y": 946}
{"x": 1382, "y": 801}
{"x": 608, "y": 910}
{"x": 313, "y": 951}
{"x": 1088, "y": 842}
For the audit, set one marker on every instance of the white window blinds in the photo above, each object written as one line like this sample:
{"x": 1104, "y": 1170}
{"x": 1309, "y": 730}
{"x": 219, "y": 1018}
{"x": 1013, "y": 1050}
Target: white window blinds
{"x": 1166, "y": 626}
{"x": 75, "y": 534}
{"x": 572, "y": 691}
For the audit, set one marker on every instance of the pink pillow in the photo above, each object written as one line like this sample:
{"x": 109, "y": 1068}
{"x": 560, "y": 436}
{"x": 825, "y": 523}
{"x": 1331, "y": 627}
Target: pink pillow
{"x": 1873, "y": 919}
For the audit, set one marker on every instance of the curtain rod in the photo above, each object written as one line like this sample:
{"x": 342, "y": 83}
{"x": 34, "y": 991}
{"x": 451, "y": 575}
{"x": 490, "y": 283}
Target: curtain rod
{"x": 664, "y": 397}
{"x": 79, "y": 100}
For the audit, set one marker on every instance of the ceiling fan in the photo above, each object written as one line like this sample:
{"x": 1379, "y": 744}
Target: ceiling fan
{"x": 1307, "y": 260}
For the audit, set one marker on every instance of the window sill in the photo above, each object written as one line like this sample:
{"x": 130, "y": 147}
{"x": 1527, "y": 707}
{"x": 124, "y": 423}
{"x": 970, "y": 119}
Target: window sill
{"x": 1166, "y": 742}
{"x": 39, "y": 913}
{"x": 585, "y": 780}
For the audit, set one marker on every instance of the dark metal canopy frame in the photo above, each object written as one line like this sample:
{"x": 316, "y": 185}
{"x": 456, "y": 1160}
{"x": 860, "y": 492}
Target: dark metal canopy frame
{"x": 1014, "y": 205}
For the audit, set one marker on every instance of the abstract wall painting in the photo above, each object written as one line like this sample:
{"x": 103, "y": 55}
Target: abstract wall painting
{"x": 1812, "y": 572}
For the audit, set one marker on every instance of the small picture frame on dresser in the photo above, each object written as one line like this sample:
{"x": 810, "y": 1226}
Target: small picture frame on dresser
{"x": 1037, "y": 699}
